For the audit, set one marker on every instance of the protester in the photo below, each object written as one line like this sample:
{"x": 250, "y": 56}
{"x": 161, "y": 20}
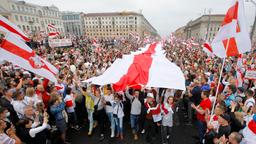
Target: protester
{"x": 201, "y": 109}
{"x": 89, "y": 105}
{"x": 33, "y": 133}
{"x": 99, "y": 112}
{"x": 118, "y": 115}
{"x": 135, "y": 112}
{"x": 70, "y": 107}
{"x": 108, "y": 99}
{"x": 167, "y": 122}
{"x": 153, "y": 117}
{"x": 57, "y": 107}
{"x": 10, "y": 136}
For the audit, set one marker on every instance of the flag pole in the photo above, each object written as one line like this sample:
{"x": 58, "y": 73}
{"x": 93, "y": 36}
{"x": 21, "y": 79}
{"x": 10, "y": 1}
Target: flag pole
{"x": 217, "y": 91}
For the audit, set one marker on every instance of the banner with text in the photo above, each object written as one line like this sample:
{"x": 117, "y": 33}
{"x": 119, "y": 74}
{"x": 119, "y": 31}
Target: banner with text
{"x": 60, "y": 42}
{"x": 250, "y": 74}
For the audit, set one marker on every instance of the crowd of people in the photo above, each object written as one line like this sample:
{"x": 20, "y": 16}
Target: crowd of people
{"x": 32, "y": 108}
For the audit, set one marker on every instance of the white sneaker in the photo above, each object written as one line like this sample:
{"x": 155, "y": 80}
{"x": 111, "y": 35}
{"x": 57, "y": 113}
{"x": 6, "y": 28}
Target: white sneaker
{"x": 112, "y": 134}
{"x": 168, "y": 136}
{"x": 143, "y": 131}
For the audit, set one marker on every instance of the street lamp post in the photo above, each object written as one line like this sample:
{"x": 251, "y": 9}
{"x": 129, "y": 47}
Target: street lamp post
{"x": 209, "y": 23}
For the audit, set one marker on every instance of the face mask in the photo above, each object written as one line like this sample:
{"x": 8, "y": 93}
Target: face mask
{"x": 7, "y": 114}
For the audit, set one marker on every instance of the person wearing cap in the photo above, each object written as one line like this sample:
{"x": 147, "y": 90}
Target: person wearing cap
{"x": 203, "y": 108}
{"x": 135, "y": 111}
{"x": 153, "y": 117}
{"x": 224, "y": 128}
{"x": 194, "y": 94}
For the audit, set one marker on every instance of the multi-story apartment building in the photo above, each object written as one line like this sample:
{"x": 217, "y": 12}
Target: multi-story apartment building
{"x": 31, "y": 17}
{"x": 202, "y": 28}
{"x": 73, "y": 23}
{"x": 117, "y": 24}
{"x": 180, "y": 33}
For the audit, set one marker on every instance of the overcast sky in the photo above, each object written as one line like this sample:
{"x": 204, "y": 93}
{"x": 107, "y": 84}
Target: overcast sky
{"x": 165, "y": 15}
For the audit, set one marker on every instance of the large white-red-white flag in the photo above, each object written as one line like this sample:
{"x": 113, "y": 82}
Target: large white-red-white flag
{"x": 8, "y": 27}
{"x": 233, "y": 37}
{"x": 147, "y": 67}
{"x": 18, "y": 53}
{"x": 53, "y": 31}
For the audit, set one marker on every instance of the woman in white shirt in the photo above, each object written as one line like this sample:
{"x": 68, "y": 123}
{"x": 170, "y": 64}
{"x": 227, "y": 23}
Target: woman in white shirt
{"x": 167, "y": 121}
{"x": 118, "y": 115}
{"x": 19, "y": 104}
{"x": 31, "y": 97}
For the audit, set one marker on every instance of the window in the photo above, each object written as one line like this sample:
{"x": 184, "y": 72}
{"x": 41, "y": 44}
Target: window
{"x": 37, "y": 20}
{"x": 24, "y": 28}
{"x": 21, "y": 18}
{"x": 33, "y": 19}
{"x": 13, "y": 7}
{"x": 18, "y": 7}
{"x": 22, "y": 8}
{"x": 16, "y": 18}
{"x": 25, "y": 17}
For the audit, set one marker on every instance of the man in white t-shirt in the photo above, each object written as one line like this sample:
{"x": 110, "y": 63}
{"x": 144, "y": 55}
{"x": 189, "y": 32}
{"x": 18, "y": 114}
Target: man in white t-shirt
{"x": 250, "y": 101}
{"x": 108, "y": 101}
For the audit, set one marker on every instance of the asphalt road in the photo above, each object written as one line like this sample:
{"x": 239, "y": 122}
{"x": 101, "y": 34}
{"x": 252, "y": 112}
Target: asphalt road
{"x": 183, "y": 134}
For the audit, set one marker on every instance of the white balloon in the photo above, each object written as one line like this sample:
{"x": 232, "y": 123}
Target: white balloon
{"x": 73, "y": 68}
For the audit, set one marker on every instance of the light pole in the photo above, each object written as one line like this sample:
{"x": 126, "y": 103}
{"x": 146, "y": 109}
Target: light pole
{"x": 254, "y": 23}
{"x": 209, "y": 23}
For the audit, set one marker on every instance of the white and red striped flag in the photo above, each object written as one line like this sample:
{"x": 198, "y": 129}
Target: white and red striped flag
{"x": 233, "y": 34}
{"x": 53, "y": 32}
{"x": 18, "y": 53}
{"x": 8, "y": 27}
{"x": 207, "y": 49}
{"x": 147, "y": 67}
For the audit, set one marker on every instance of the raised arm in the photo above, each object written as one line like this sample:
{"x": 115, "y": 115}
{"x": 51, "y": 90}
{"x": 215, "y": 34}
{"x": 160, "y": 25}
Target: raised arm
{"x": 130, "y": 97}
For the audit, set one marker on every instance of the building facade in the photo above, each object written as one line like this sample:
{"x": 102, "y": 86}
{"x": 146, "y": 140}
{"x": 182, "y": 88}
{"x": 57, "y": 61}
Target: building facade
{"x": 117, "y": 24}
{"x": 31, "y": 17}
{"x": 202, "y": 28}
{"x": 73, "y": 23}
{"x": 180, "y": 33}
